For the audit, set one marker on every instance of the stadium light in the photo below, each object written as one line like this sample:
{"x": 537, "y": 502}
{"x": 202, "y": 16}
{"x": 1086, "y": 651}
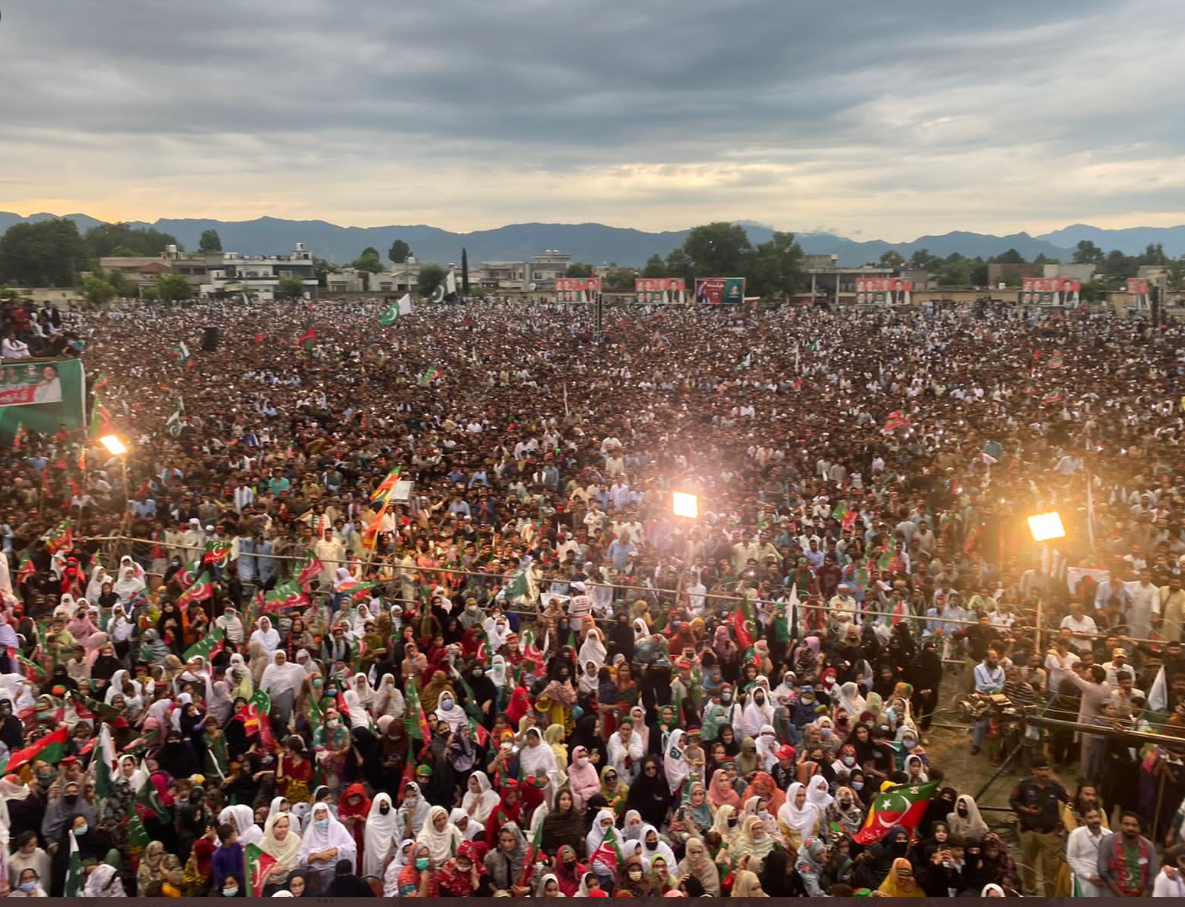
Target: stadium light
{"x": 114, "y": 446}
{"x": 685, "y": 505}
{"x": 1046, "y": 527}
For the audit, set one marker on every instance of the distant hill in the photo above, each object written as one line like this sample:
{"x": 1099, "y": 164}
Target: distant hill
{"x": 599, "y": 244}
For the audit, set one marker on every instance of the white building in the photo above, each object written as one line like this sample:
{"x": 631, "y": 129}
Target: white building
{"x": 259, "y": 275}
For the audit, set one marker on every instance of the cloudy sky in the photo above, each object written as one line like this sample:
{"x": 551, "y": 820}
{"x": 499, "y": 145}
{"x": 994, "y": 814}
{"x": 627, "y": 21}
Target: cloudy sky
{"x": 871, "y": 119}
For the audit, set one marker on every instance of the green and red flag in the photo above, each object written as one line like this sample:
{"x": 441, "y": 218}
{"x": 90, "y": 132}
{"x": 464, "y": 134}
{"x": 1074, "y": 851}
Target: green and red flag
{"x": 287, "y": 594}
{"x": 609, "y": 853}
{"x": 205, "y": 647}
{"x": 383, "y": 492}
{"x": 258, "y": 866}
{"x": 138, "y": 836}
{"x": 33, "y": 672}
{"x": 27, "y": 569}
{"x": 217, "y": 553}
{"x": 532, "y": 852}
{"x": 1056, "y": 397}
{"x": 148, "y": 800}
{"x": 60, "y": 539}
{"x": 309, "y": 571}
{"x": 202, "y": 589}
{"x": 1057, "y": 360}
{"x": 51, "y": 748}
{"x": 744, "y": 625}
{"x": 355, "y": 590}
{"x": 184, "y": 577}
{"x": 254, "y": 716}
{"x": 430, "y": 374}
{"x": 371, "y": 534}
{"x": 309, "y": 335}
{"x": 903, "y": 805}
{"x": 895, "y": 421}
{"x": 415, "y": 722}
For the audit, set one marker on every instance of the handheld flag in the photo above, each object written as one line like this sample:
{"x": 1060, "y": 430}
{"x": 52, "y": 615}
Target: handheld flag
{"x": 902, "y": 805}
{"x": 74, "y": 870}
{"x": 51, "y": 748}
{"x": 205, "y": 647}
{"x": 258, "y": 866}
{"x": 309, "y": 571}
{"x": 287, "y": 594}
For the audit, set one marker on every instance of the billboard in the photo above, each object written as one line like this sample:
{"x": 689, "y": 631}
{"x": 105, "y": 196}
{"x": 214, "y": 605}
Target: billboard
{"x": 42, "y": 395}
{"x": 1137, "y": 289}
{"x": 577, "y": 289}
{"x": 661, "y": 290}
{"x": 883, "y": 291}
{"x": 720, "y": 290}
{"x": 1049, "y": 291}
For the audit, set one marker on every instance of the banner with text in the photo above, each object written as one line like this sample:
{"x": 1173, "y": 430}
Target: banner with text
{"x": 42, "y": 395}
{"x": 883, "y": 291}
{"x": 720, "y": 290}
{"x": 1137, "y": 289}
{"x": 661, "y": 290}
{"x": 1049, "y": 291}
{"x": 577, "y": 289}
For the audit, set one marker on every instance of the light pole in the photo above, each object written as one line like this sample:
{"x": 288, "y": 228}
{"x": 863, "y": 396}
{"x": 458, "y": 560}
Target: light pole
{"x": 1045, "y": 527}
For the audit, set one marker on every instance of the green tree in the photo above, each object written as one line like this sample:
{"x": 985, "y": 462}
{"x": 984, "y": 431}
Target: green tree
{"x": 922, "y": 260}
{"x": 655, "y": 266}
{"x": 290, "y": 288}
{"x": 97, "y": 291}
{"x": 124, "y": 286}
{"x": 1087, "y": 253}
{"x": 679, "y": 265}
{"x": 398, "y": 252}
{"x": 717, "y": 249}
{"x": 619, "y": 282}
{"x": 369, "y": 261}
{"x": 578, "y": 269}
{"x": 464, "y": 272}
{"x": 1011, "y": 257}
{"x": 173, "y": 287}
{"x": 210, "y": 241}
{"x": 1153, "y": 255}
{"x": 45, "y": 254}
{"x": 1118, "y": 266}
{"x": 431, "y": 277}
{"x": 979, "y": 273}
{"x": 322, "y": 269}
{"x": 775, "y": 268}
{"x": 123, "y": 239}
{"x": 891, "y": 258}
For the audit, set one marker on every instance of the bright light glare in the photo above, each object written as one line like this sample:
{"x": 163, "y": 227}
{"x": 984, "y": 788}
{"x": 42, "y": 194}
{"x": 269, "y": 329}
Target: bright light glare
{"x": 114, "y": 446}
{"x": 1047, "y": 526}
{"x": 686, "y": 505}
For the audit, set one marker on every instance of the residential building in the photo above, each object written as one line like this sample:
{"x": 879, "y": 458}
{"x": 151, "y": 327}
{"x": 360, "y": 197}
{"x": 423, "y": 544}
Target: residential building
{"x": 537, "y": 274}
{"x": 1080, "y": 273}
{"x": 1014, "y": 274}
{"x": 258, "y": 275}
{"x": 831, "y": 283}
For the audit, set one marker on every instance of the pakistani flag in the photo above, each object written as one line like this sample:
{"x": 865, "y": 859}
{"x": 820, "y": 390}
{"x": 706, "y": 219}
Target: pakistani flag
{"x": 180, "y": 352}
{"x": 204, "y": 646}
{"x": 173, "y": 424}
{"x": 399, "y": 307}
{"x": 105, "y": 763}
{"x": 904, "y": 805}
{"x": 74, "y": 872}
{"x": 450, "y": 285}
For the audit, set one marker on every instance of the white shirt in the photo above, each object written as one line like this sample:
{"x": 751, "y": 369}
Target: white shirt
{"x": 1083, "y": 624}
{"x": 1082, "y": 853}
{"x": 1056, "y": 672}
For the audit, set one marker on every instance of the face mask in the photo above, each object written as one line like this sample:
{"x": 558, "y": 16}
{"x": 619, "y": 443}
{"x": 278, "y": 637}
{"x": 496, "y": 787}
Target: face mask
{"x": 726, "y": 697}
{"x": 857, "y": 785}
{"x": 909, "y": 744}
{"x": 582, "y": 761}
{"x": 28, "y": 886}
{"x": 384, "y": 809}
{"x": 569, "y": 863}
{"x": 81, "y": 831}
{"x": 479, "y": 674}
{"x": 332, "y": 722}
{"x": 421, "y": 863}
{"x": 846, "y": 804}
{"x": 962, "y": 810}
{"x": 322, "y": 823}
{"x": 635, "y": 874}
{"x": 732, "y": 821}
{"x": 446, "y": 704}
{"x": 70, "y": 799}
{"x": 849, "y": 761}
{"x": 760, "y": 700}
{"x": 506, "y": 747}
{"x": 650, "y": 846}
{"x": 229, "y": 892}
{"x": 826, "y": 732}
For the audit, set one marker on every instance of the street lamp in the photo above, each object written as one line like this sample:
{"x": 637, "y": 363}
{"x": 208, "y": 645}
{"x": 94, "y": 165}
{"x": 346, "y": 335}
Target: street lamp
{"x": 117, "y": 448}
{"x": 685, "y": 505}
{"x": 1046, "y": 527}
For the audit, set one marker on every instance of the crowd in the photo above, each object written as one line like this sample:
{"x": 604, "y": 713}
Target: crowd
{"x": 408, "y": 611}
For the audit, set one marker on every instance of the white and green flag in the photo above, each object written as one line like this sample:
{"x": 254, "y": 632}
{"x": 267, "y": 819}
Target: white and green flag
{"x": 400, "y": 307}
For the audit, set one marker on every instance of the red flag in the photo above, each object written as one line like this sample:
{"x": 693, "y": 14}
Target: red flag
{"x": 259, "y": 338}
{"x": 50, "y": 748}
{"x": 902, "y": 805}
{"x": 740, "y": 625}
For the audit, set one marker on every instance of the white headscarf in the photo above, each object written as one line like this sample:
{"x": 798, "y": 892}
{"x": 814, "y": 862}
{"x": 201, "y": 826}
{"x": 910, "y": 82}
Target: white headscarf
{"x": 817, "y": 793}
{"x": 378, "y": 835}
{"x": 496, "y": 632}
{"x": 538, "y": 761}
{"x": 768, "y": 746}
{"x": 94, "y": 588}
{"x": 103, "y": 882}
{"x": 333, "y": 835}
{"x": 416, "y": 809}
{"x": 661, "y": 849}
{"x": 287, "y": 852}
{"x": 480, "y": 806}
{"x": 498, "y": 671}
{"x": 131, "y": 580}
{"x": 244, "y": 819}
{"x": 278, "y": 679}
{"x": 593, "y": 649}
{"x": 801, "y": 820}
{"x": 851, "y": 701}
{"x": 361, "y": 616}
{"x": 441, "y": 844}
{"x": 267, "y": 636}
{"x": 596, "y": 835}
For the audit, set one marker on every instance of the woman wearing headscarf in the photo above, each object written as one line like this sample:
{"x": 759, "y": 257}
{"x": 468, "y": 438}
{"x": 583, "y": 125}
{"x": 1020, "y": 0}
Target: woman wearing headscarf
{"x": 698, "y": 865}
{"x": 764, "y": 786}
{"x": 440, "y": 836}
{"x": 965, "y": 821}
{"x": 103, "y": 882}
{"x": 900, "y": 883}
{"x": 747, "y": 759}
{"x": 282, "y": 843}
{"x": 603, "y": 863}
{"x": 353, "y": 811}
{"x": 582, "y": 778}
{"x": 810, "y": 863}
{"x": 267, "y": 637}
{"x": 650, "y": 793}
{"x": 413, "y": 811}
{"x": 131, "y": 580}
{"x": 995, "y": 859}
{"x": 634, "y": 881}
{"x": 593, "y": 648}
{"x": 388, "y": 701}
{"x": 282, "y": 681}
{"x": 721, "y": 791}
{"x": 726, "y": 825}
{"x": 537, "y": 760}
{"x": 505, "y": 860}
{"x": 157, "y": 866}
{"x": 675, "y": 764}
{"x": 419, "y": 877}
{"x": 324, "y": 842}
{"x": 563, "y": 825}
{"x": 653, "y": 847}
{"x": 569, "y": 870}
{"x": 752, "y": 841}
{"x": 464, "y": 875}
{"x": 242, "y": 818}
{"x": 846, "y": 811}
{"x": 400, "y": 857}
{"x": 798, "y": 817}
{"x": 480, "y": 798}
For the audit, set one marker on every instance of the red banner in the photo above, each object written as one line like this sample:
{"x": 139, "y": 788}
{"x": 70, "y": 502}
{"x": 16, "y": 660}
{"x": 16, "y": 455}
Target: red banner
{"x": 661, "y": 290}
{"x": 1049, "y": 291}
{"x": 883, "y": 291}
{"x": 577, "y": 289}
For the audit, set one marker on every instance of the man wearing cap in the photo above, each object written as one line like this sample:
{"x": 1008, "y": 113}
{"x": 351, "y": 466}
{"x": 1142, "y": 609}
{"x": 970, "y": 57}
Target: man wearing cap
{"x": 1037, "y": 802}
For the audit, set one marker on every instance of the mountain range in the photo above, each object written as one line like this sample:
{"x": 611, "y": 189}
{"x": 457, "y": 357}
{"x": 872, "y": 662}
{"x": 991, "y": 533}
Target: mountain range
{"x": 598, "y": 244}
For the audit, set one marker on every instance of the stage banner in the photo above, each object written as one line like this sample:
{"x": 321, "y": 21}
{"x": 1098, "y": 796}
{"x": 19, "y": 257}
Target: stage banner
{"x": 577, "y": 289}
{"x": 720, "y": 290}
{"x": 42, "y": 395}
{"x": 661, "y": 290}
{"x": 1049, "y": 291}
{"x": 883, "y": 291}
{"x": 1137, "y": 289}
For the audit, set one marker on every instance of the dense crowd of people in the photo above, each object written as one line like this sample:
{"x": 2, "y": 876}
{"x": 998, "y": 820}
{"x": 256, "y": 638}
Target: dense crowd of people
{"x": 409, "y": 610}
